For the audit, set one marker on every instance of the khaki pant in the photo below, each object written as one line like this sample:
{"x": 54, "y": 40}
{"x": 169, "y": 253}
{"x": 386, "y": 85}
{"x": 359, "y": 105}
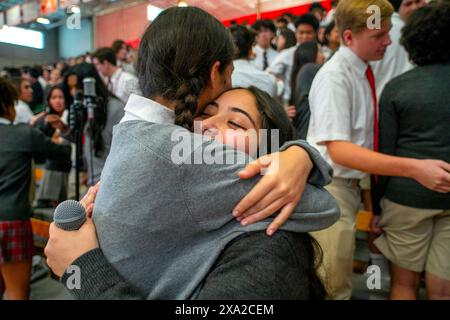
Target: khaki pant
{"x": 338, "y": 241}
{"x": 416, "y": 239}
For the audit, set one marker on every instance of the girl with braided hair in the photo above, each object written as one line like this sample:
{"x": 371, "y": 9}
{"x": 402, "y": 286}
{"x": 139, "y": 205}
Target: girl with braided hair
{"x": 162, "y": 225}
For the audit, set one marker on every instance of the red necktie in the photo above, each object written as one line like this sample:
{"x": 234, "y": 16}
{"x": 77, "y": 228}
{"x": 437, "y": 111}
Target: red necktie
{"x": 376, "y": 134}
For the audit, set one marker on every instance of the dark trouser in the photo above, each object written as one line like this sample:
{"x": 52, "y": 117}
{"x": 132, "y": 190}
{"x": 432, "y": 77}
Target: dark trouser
{"x": 255, "y": 266}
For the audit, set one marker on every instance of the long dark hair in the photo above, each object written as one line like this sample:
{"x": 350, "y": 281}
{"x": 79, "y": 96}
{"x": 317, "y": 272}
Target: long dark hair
{"x": 327, "y": 32}
{"x": 273, "y": 117}
{"x": 87, "y": 70}
{"x": 305, "y": 53}
{"x": 289, "y": 35}
{"x": 176, "y": 55}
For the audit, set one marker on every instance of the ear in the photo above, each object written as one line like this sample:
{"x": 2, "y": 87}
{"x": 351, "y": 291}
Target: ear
{"x": 215, "y": 75}
{"x": 347, "y": 37}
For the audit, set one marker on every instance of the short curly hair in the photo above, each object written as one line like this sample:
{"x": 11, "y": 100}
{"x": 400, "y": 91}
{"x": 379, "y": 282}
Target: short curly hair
{"x": 425, "y": 34}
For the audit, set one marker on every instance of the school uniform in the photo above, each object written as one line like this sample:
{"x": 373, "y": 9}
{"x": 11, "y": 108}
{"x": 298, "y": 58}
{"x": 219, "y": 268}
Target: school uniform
{"x": 342, "y": 108}
{"x": 122, "y": 84}
{"x": 19, "y": 144}
{"x": 263, "y": 57}
{"x": 282, "y": 68}
{"x": 245, "y": 74}
{"x": 414, "y": 123}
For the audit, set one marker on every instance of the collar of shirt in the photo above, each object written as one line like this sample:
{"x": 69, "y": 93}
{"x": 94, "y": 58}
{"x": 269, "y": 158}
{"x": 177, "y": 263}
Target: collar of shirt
{"x": 356, "y": 62}
{"x": 4, "y": 121}
{"x": 140, "y": 108}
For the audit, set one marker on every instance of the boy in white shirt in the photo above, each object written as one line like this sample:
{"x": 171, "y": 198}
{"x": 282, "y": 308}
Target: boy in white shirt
{"x": 343, "y": 126}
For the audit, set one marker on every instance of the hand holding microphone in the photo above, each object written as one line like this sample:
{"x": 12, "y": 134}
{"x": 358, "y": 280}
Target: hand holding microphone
{"x": 70, "y": 214}
{"x": 64, "y": 247}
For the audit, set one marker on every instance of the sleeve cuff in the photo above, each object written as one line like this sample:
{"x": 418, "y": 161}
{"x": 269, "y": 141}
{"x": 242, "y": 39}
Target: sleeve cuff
{"x": 96, "y": 276}
{"x": 322, "y": 172}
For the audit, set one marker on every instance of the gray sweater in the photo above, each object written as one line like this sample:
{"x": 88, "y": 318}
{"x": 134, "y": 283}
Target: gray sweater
{"x": 162, "y": 227}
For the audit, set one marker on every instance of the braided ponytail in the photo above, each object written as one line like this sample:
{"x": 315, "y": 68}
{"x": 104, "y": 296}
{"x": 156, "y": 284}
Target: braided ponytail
{"x": 187, "y": 101}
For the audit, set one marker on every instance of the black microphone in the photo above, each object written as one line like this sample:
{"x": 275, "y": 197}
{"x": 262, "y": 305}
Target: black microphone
{"x": 69, "y": 215}
{"x": 89, "y": 96}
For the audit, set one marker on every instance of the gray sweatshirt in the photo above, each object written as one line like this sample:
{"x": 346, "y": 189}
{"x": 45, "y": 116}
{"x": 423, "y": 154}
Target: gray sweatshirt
{"x": 163, "y": 223}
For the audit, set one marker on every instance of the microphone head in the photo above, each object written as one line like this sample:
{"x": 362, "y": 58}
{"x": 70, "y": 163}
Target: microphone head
{"x": 69, "y": 215}
{"x": 89, "y": 87}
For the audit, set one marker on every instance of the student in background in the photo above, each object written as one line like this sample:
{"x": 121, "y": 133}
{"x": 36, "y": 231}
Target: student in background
{"x": 264, "y": 53}
{"x": 290, "y": 19}
{"x": 120, "y": 48}
{"x": 414, "y": 122}
{"x": 317, "y": 10}
{"x": 37, "y": 102}
{"x": 343, "y": 126}
{"x": 19, "y": 144}
{"x": 120, "y": 82}
{"x": 331, "y": 40}
{"x": 23, "y": 111}
{"x": 245, "y": 74}
{"x": 308, "y": 52}
{"x": 54, "y": 184}
{"x": 286, "y": 39}
{"x": 306, "y": 30}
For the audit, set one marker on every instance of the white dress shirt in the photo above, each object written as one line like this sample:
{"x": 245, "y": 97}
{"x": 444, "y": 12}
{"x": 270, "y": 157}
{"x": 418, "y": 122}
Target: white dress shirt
{"x": 140, "y": 108}
{"x": 342, "y": 108}
{"x": 23, "y": 113}
{"x": 245, "y": 74}
{"x": 122, "y": 84}
{"x": 395, "y": 61}
{"x": 282, "y": 68}
{"x": 259, "y": 56}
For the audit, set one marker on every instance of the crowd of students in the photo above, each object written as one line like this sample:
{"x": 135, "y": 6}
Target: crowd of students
{"x": 373, "y": 102}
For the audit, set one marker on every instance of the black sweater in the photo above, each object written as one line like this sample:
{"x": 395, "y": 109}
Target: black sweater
{"x": 415, "y": 123}
{"x": 54, "y": 165}
{"x": 19, "y": 144}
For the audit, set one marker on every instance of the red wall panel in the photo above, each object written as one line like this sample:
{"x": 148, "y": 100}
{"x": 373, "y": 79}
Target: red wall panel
{"x": 126, "y": 24}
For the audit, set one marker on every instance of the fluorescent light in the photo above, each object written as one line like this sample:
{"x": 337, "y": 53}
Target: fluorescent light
{"x": 75, "y": 9}
{"x": 153, "y": 12}
{"x": 22, "y": 37}
{"x": 42, "y": 20}
{"x": 182, "y": 4}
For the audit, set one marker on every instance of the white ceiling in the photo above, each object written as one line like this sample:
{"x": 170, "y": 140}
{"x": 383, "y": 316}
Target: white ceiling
{"x": 229, "y": 9}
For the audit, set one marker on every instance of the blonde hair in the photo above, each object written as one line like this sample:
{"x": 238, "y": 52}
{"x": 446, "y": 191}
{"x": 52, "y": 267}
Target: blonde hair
{"x": 353, "y": 14}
